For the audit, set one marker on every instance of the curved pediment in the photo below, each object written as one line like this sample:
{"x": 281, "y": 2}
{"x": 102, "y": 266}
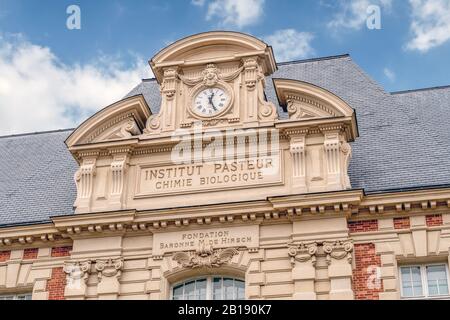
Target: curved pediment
{"x": 217, "y": 46}
{"x": 121, "y": 120}
{"x": 305, "y": 101}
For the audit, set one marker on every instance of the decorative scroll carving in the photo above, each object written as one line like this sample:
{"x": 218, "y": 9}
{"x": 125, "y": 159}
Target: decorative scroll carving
{"x": 153, "y": 123}
{"x": 205, "y": 257}
{"x": 302, "y": 107}
{"x": 298, "y": 153}
{"x": 118, "y": 167}
{"x": 302, "y": 252}
{"x": 210, "y": 76}
{"x": 77, "y": 271}
{"x": 84, "y": 178}
{"x": 346, "y": 150}
{"x": 338, "y": 250}
{"x": 109, "y": 268}
{"x": 332, "y": 148}
{"x": 129, "y": 129}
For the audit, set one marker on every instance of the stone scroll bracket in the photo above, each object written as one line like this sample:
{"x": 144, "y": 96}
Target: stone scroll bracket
{"x": 84, "y": 180}
{"x": 118, "y": 169}
{"x": 337, "y": 155}
{"x": 298, "y": 154}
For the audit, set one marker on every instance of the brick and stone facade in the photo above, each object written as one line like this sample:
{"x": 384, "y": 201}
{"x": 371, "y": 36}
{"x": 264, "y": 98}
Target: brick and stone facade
{"x": 298, "y": 222}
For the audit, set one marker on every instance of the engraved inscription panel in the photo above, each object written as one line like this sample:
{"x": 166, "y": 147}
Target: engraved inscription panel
{"x": 245, "y": 236}
{"x": 240, "y": 173}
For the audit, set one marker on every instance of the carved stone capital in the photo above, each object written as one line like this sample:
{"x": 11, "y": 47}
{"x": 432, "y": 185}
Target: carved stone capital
{"x": 77, "y": 270}
{"x": 338, "y": 250}
{"x": 251, "y": 72}
{"x": 168, "y": 87}
{"x": 109, "y": 268}
{"x": 302, "y": 252}
{"x": 205, "y": 256}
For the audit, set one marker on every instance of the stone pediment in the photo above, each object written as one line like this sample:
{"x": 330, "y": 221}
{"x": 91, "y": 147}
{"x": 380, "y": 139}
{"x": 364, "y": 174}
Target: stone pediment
{"x": 305, "y": 101}
{"x": 218, "y": 46}
{"x": 121, "y": 120}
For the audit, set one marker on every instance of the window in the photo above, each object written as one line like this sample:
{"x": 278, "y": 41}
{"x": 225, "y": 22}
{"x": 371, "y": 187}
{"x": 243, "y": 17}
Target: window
{"x": 25, "y": 296}
{"x": 424, "y": 281}
{"x": 210, "y": 288}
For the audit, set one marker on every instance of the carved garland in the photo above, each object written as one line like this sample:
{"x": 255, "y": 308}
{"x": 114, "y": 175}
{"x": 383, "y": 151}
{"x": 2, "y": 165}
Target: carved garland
{"x": 302, "y": 252}
{"x": 205, "y": 257}
{"x": 210, "y": 76}
{"x": 338, "y": 250}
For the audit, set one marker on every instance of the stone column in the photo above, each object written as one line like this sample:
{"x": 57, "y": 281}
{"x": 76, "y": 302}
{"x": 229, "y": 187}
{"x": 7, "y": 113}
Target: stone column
{"x": 303, "y": 261}
{"x": 339, "y": 259}
{"x": 108, "y": 273}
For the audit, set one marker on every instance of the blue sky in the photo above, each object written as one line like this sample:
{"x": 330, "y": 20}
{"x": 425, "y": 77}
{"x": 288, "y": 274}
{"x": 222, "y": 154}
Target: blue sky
{"x": 71, "y": 73}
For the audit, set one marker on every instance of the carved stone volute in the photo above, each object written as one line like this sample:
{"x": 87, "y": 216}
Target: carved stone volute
{"x": 109, "y": 268}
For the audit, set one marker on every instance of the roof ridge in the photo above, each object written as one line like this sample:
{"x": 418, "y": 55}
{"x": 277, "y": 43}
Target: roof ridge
{"x": 339, "y": 56}
{"x": 35, "y": 133}
{"x": 421, "y": 89}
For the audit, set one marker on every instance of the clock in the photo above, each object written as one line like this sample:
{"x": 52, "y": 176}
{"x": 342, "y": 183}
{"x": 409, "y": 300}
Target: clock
{"x": 210, "y": 102}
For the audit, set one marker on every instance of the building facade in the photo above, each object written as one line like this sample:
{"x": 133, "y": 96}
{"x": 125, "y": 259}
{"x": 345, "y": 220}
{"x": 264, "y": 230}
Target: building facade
{"x": 230, "y": 176}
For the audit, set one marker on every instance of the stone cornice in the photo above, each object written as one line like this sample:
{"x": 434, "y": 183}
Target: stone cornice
{"x": 351, "y": 203}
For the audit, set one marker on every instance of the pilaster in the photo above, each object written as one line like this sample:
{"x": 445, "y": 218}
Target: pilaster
{"x": 339, "y": 259}
{"x": 84, "y": 179}
{"x": 303, "y": 261}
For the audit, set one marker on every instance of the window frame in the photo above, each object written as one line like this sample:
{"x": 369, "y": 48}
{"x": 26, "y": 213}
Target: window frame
{"x": 424, "y": 281}
{"x": 209, "y": 284}
{"x": 15, "y": 296}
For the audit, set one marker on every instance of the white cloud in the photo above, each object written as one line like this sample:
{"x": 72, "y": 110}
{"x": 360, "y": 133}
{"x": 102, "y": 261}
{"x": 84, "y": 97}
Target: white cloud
{"x": 198, "y": 2}
{"x": 352, "y": 14}
{"x": 39, "y": 92}
{"x": 233, "y": 13}
{"x": 389, "y": 74}
{"x": 430, "y": 24}
{"x": 290, "y": 44}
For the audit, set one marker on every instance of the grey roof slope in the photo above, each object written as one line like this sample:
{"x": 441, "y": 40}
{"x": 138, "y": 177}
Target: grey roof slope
{"x": 404, "y": 141}
{"x": 36, "y": 177}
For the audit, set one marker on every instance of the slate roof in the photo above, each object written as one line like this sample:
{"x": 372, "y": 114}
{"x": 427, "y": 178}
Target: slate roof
{"x": 404, "y": 141}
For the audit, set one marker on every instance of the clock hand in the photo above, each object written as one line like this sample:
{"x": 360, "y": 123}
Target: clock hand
{"x": 210, "y": 98}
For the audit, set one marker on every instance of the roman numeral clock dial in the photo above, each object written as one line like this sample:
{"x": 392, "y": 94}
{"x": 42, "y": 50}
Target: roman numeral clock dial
{"x": 210, "y": 102}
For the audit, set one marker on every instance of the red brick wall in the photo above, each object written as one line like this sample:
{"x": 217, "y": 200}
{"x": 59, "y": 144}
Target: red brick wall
{"x": 434, "y": 220}
{"x": 363, "y": 226}
{"x": 402, "y": 223}
{"x": 4, "y": 255}
{"x": 30, "y": 253}
{"x": 61, "y": 251}
{"x": 366, "y": 257}
{"x": 56, "y": 285}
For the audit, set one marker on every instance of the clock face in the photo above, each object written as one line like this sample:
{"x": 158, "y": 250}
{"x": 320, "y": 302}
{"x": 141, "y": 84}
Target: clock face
{"x": 210, "y": 102}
